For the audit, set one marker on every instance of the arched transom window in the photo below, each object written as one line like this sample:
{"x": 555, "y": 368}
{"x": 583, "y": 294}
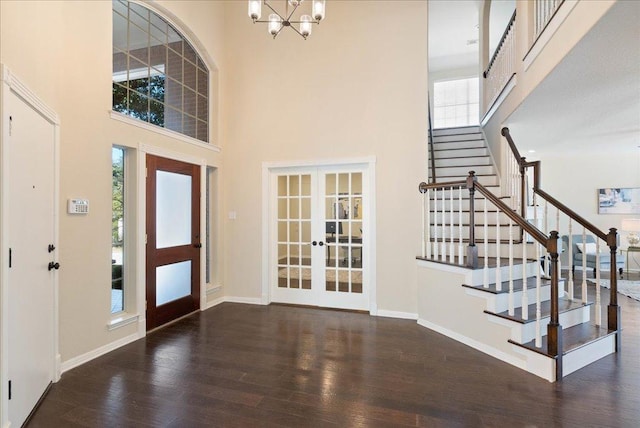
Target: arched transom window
{"x": 157, "y": 75}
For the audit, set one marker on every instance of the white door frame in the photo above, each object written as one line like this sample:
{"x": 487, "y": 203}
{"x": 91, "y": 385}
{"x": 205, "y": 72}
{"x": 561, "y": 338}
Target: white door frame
{"x": 11, "y": 84}
{"x": 268, "y": 168}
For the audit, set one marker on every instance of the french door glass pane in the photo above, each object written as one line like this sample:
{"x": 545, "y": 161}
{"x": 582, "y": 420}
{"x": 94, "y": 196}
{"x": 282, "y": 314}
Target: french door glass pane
{"x": 294, "y": 231}
{"x": 173, "y": 282}
{"x": 343, "y": 217}
{"x": 173, "y": 209}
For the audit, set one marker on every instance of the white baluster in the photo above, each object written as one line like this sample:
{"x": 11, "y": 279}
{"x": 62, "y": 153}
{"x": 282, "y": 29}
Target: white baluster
{"x": 538, "y": 311}
{"x": 498, "y": 267}
{"x": 584, "y": 265}
{"x": 460, "y": 246}
{"x": 511, "y": 304}
{"x": 525, "y": 297}
{"x": 424, "y": 231}
{"x": 598, "y": 308}
{"x": 444, "y": 225}
{"x": 486, "y": 247}
{"x": 570, "y": 246}
{"x": 435, "y": 224}
{"x": 452, "y": 248}
{"x": 427, "y": 238}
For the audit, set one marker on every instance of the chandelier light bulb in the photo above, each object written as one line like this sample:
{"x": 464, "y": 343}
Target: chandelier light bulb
{"x": 318, "y": 9}
{"x": 275, "y": 24}
{"x": 255, "y": 9}
{"x": 305, "y": 25}
{"x": 295, "y": 3}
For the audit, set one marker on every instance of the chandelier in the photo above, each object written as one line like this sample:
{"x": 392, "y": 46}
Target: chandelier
{"x": 278, "y": 21}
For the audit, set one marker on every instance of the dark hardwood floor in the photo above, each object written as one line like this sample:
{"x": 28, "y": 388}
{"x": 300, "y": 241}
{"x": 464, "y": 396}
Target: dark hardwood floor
{"x": 245, "y": 366}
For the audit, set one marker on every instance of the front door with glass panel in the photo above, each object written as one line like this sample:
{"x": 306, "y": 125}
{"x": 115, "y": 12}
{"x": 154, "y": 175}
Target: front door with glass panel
{"x": 173, "y": 240}
{"x": 319, "y": 228}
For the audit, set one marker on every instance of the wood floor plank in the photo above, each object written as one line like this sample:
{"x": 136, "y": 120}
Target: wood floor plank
{"x": 276, "y": 366}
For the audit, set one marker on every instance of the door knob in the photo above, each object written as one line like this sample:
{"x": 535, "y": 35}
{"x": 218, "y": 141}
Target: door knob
{"x": 314, "y": 243}
{"x": 51, "y": 248}
{"x": 197, "y": 245}
{"x": 53, "y": 265}
{"x": 321, "y": 243}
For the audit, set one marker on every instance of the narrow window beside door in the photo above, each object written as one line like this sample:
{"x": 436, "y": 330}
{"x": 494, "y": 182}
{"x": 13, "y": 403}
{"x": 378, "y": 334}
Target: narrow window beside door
{"x": 117, "y": 230}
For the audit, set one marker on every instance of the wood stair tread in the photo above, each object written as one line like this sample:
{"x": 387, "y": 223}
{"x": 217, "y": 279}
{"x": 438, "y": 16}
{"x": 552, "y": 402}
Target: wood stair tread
{"x": 479, "y": 241}
{"x": 462, "y": 157}
{"x": 572, "y": 338}
{"x": 564, "y": 305}
{"x": 517, "y": 283}
{"x": 492, "y": 262}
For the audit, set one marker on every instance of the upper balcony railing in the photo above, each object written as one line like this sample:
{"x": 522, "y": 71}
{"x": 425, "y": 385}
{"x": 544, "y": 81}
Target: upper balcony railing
{"x": 543, "y": 12}
{"x": 502, "y": 65}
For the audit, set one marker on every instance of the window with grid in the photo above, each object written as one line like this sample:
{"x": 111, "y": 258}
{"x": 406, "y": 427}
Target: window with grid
{"x": 158, "y": 77}
{"x": 456, "y": 103}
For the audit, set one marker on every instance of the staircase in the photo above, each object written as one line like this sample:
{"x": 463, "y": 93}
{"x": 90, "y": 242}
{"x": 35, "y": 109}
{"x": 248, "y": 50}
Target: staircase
{"x": 506, "y": 297}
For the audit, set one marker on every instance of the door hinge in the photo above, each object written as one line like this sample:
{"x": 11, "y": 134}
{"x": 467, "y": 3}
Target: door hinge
{"x": 146, "y": 172}
{"x": 9, "y": 390}
{"x": 10, "y": 125}
{"x": 145, "y": 238}
{"x": 10, "y": 257}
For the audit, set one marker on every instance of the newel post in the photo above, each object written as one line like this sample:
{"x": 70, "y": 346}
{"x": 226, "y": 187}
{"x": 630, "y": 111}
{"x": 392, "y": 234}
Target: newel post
{"x": 613, "y": 310}
{"x": 554, "y": 329}
{"x": 472, "y": 250}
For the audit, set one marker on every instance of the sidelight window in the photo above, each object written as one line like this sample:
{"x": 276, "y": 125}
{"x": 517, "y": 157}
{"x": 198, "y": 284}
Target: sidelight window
{"x": 117, "y": 229}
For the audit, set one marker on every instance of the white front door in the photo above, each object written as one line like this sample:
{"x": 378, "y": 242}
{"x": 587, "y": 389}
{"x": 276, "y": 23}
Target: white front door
{"x": 31, "y": 237}
{"x": 318, "y": 236}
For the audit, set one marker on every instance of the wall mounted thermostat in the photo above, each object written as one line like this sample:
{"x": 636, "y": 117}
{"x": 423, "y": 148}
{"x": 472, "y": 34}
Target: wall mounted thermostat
{"x": 78, "y": 206}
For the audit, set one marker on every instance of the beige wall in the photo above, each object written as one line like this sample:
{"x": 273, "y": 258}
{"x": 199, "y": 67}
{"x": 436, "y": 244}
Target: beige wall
{"x": 357, "y": 87}
{"x": 62, "y": 51}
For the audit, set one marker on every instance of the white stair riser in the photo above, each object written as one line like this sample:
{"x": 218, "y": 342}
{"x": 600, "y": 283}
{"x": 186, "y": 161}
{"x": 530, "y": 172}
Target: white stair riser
{"x": 456, "y": 131}
{"x": 477, "y": 160}
{"x": 490, "y": 233}
{"x": 478, "y": 217}
{"x": 456, "y": 137}
{"x": 463, "y": 170}
{"x": 500, "y": 302}
{"x": 439, "y": 154}
{"x": 588, "y": 354}
{"x": 485, "y": 180}
{"x": 478, "y": 203}
{"x": 477, "y": 276}
{"x": 524, "y": 333}
{"x": 475, "y": 143}
{"x": 491, "y": 248}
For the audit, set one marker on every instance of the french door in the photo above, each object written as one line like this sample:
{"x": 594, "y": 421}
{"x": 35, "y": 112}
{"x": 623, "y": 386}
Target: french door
{"x": 319, "y": 247}
{"x": 173, "y": 240}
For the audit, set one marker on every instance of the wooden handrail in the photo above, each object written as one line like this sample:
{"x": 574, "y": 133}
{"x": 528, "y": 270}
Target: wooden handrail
{"x": 519, "y": 220}
{"x": 516, "y": 154}
{"x": 431, "y": 149}
{"x": 500, "y": 43}
{"x": 422, "y": 187}
{"x": 572, "y": 214}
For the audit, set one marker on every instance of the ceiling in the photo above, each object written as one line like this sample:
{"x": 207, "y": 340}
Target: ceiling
{"x": 591, "y": 100}
{"x": 452, "y": 24}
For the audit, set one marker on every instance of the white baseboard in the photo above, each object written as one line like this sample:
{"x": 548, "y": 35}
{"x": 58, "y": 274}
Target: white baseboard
{"x": 85, "y": 358}
{"x": 482, "y": 347}
{"x": 58, "y": 371}
{"x": 247, "y": 300}
{"x": 214, "y": 302}
{"x": 396, "y": 314}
